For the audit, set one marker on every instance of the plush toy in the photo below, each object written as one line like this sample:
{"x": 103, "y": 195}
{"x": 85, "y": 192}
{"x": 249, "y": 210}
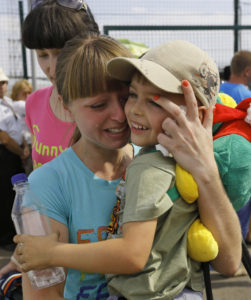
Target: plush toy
{"x": 237, "y": 120}
{"x": 201, "y": 245}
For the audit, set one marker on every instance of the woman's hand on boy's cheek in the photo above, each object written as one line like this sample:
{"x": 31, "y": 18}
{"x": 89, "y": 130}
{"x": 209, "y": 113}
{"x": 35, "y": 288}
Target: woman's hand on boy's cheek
{"x": 189, "y": 140}
{"x": 191, "y": 101}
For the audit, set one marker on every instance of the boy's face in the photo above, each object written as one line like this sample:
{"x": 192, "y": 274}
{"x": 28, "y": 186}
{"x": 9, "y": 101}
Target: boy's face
{"x": 144, "y": 115}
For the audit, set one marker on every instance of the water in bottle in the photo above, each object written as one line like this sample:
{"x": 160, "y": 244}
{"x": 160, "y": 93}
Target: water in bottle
{"x": 29, "y": 217}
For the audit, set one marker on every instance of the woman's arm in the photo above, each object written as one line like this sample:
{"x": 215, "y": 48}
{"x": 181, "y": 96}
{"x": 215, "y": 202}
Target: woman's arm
{"x": 125, "y": 255}
{"x": 55, "y": 292}
{"x": 190, "y": 141}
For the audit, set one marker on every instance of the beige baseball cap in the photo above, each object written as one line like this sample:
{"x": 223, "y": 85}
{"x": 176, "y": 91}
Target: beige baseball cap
{"x": 3, "y": 77}
{"x": 168, "y": 64}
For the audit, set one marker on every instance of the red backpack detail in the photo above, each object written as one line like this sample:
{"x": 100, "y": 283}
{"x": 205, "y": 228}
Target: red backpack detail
{"x": 236, "y": 120}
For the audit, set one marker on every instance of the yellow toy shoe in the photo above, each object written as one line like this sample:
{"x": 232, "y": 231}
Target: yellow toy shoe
{"x": 201, "y": 245}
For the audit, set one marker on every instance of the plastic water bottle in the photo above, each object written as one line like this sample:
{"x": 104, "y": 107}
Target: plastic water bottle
{"x": 29, "y": 217}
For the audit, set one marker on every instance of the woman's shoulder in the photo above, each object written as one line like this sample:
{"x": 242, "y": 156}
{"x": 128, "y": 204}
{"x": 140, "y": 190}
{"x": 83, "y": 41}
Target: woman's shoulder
{"x": 52, "y": 171}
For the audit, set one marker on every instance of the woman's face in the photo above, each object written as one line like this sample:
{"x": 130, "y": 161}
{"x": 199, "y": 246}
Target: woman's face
{"x": 47, "y": 60}
{"x": 24, "y": 93}
{"x": 3, "y": 88}
{"x": 101, "y": 119}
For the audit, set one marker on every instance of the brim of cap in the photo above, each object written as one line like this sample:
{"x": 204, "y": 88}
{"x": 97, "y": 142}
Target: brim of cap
{"x": 123, "y": 68}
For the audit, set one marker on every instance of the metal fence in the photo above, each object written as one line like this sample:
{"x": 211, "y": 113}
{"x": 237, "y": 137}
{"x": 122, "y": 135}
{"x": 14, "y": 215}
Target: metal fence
{"x": 219, "y": 41}
{"x": 220, "y": 27}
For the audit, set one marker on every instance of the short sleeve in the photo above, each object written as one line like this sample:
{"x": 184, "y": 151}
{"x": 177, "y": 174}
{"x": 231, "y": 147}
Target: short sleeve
{"x": 146, "y": 187}
{"x": 46, "y": 185}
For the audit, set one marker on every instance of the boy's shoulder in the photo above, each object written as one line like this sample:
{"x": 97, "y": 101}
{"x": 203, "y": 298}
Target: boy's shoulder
{"x": 151, "y": 157}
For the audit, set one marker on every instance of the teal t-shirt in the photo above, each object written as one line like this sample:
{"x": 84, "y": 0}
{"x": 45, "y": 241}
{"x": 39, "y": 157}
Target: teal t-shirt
{"x": 76, "y": 197}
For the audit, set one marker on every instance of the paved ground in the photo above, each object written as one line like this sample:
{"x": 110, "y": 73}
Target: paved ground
{"x": 235, "y": 288}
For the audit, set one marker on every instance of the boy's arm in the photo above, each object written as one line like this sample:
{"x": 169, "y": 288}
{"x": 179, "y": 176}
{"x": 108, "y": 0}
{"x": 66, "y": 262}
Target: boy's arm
{"x": 124, "y": 255}
{"x": 55, "y": 292}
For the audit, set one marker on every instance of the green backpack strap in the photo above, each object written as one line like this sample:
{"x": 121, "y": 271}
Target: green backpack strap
{"x": 173, "y": 193}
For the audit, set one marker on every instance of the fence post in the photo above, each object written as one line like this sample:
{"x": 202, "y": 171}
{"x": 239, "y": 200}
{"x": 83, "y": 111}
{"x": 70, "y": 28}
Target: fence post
{"x": 21, "y": 16}
{"x": 236, "y": 24}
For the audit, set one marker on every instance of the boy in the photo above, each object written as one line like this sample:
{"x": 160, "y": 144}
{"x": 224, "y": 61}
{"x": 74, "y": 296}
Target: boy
{"x": 159, "y": 74}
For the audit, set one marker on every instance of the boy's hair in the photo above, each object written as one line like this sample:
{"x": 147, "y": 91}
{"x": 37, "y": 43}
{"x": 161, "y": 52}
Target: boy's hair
{"x": 81, "y": 66}
{"x": 50, "y": 25}
{"x": 168, "y": 64}
{"x": 240, "y": 61}
{"x": 18, "y": 87}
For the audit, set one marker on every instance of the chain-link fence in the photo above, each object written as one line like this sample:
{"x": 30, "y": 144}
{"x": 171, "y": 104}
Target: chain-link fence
{"x": 11, "y": 56}
{"x": 218, "y": 26}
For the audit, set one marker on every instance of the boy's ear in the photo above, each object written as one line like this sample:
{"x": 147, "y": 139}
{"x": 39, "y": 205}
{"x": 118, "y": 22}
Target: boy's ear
{"x": 202, "y": 110}
{"x": 66, "y": 108}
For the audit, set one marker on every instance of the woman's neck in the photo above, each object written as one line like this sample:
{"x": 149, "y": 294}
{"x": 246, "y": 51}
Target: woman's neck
{"x": 57, "y": 107}
{"x": 105, "y": 163}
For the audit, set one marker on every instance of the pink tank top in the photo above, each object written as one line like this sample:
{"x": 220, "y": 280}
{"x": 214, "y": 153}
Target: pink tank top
{"x": 51, "y": 135}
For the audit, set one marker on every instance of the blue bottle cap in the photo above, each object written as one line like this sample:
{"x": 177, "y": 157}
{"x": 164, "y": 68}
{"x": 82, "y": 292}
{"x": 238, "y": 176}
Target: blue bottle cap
{"x": 18, "y": 178}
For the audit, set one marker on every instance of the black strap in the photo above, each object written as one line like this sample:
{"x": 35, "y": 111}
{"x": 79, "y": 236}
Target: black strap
{"x": 207, "y": 280}
{"x": 246, "y": 258}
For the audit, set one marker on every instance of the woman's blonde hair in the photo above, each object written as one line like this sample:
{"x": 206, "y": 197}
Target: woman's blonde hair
{"x": 81, "y": 68}
{"x": 19, "y": 86}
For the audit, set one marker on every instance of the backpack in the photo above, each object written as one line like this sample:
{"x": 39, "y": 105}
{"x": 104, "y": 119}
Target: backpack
{"x": 11, "y": 286}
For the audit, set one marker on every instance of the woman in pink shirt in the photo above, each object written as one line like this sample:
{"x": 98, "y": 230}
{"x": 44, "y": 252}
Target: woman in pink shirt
{"x": 46, "y": 29}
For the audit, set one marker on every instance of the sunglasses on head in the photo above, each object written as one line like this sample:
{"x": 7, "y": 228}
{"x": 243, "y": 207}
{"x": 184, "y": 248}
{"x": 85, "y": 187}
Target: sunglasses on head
{"x": 75, "y": 4}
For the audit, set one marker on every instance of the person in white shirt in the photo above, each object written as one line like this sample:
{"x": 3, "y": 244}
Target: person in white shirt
{"x": 20, "y": 91}
{"x": 12, "y": 151}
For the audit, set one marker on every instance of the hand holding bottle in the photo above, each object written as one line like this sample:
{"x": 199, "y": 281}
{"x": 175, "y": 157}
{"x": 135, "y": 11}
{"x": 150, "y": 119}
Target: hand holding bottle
{"x": 35, "y": 252}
